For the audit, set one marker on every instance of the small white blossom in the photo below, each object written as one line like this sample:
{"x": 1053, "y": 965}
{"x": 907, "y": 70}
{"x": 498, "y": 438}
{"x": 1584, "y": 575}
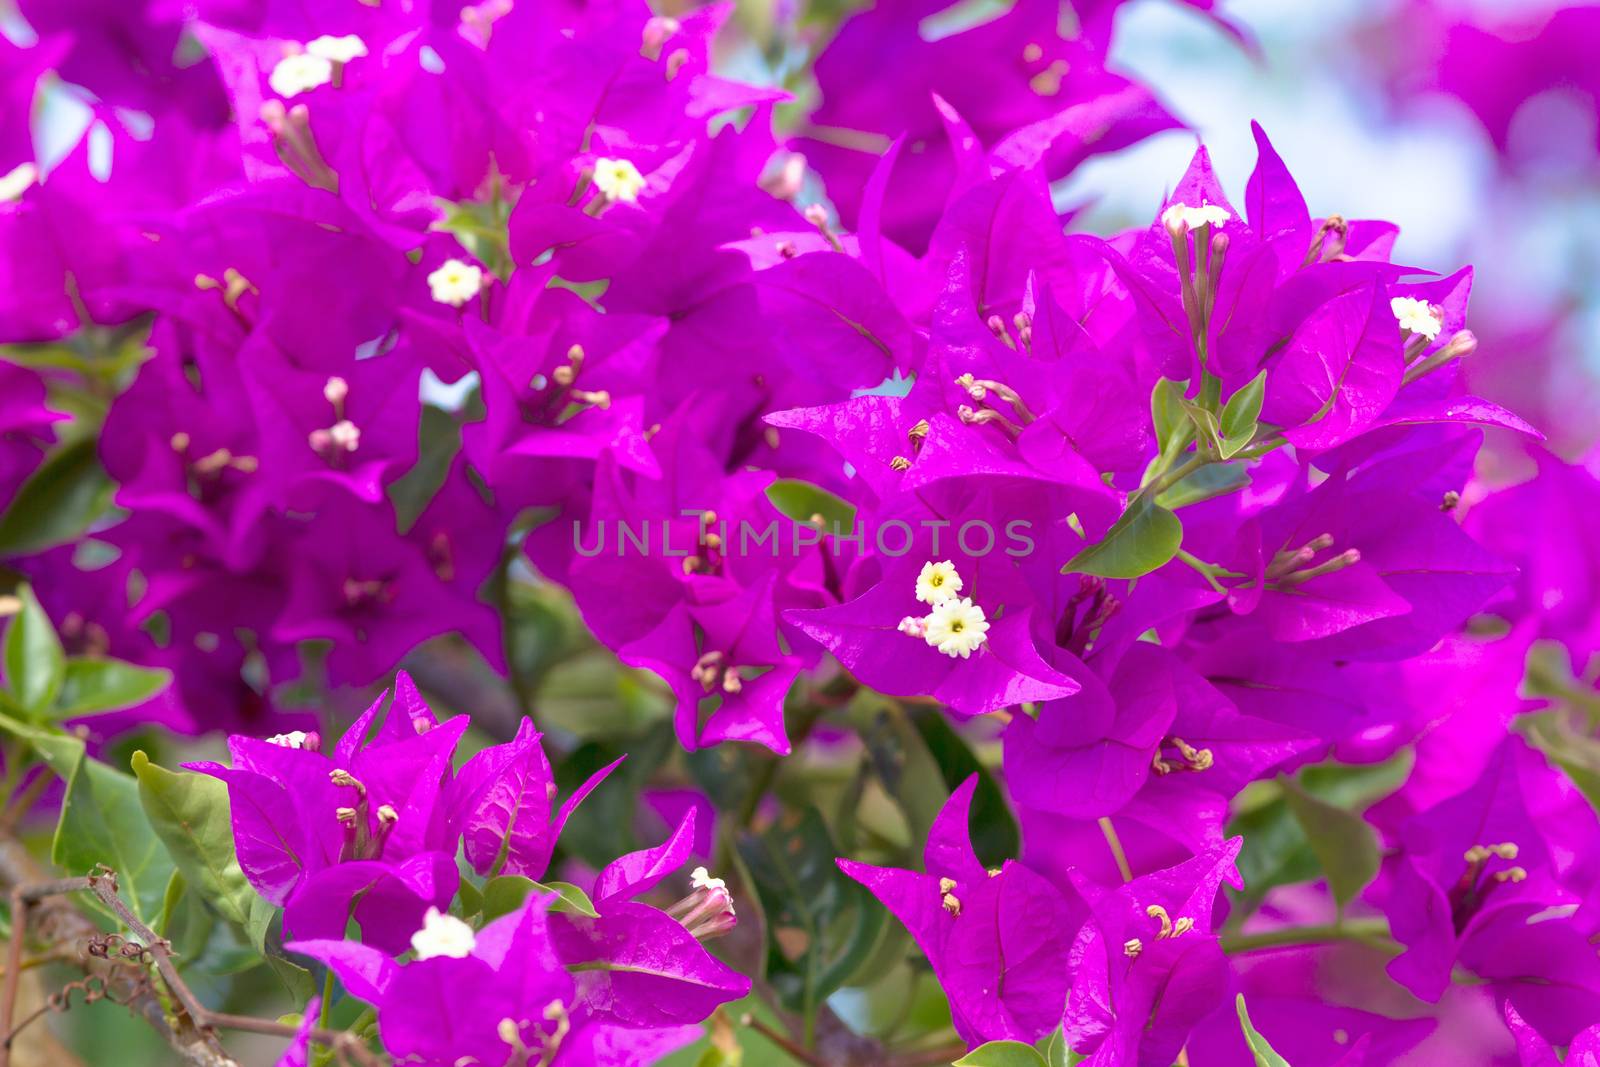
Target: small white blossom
{"x": 1194, "y": 217}
{"x": 913, "y": 626}
{"x": 337, "y": 49}
{"x": 701, "y": 878}
{"x": 956, "y": 627}
{"x": 345, "y": 435}
{"x": 455, "y": 282}
{"x": 300, "y": 73}
{"x": 618, "y": 179}
{"x": 292, "y": 739}
{"x": 16, "y": 182}
{"x": 938, "y": 582}
{"x": 1416, "y": 315}
{"x": 442, "y": 935}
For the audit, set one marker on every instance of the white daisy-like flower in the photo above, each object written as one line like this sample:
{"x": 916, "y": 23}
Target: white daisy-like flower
{"x": 300, "y": 73}
{"x": 455, "y": 282}
{"x": 1194, "y": 217}
{"x": 442, "y": 935}
{"x": 337, "y": 49}
{"x": 956, "y": 627}
{"x": 1417, "y": 316}
{"x": 618, "y": 179}
{"x": 938, "y": 582}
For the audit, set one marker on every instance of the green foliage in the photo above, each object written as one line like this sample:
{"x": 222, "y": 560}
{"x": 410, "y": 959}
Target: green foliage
{"x": 505, "y": 894}
{"x": 1003, "y": 1054}
{"x": 47, "y": 685}
{"x": 806, "y": 503}
{"x": 35, "y": 662}
{"x": 190, "y": 815}
{"x": 821, "y": 925}
{"x": 1259, "y": 1048}
{"x": 1239, "y": 415}
{"x": 1143, "y": 539}
{"x": 58, "y": 502}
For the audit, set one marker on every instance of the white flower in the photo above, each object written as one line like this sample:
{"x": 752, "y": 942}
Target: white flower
{"x": 455, "y": 282}
{"x": 1416, "y": 315}
{"x": 1194, "y": 217}
{"x": 17, "y": 181}
{"x": 337, "y": 49}
{"x": 442, "y": 935}
{"x": 292, "y": 739}
{"x": 913, "y": 626}
{"x": 701, "y": 878}
{"x": 938, "y": 582}
{"x": 345, "y": 435}
{"x": 300, "y": 73}
{"x": 618, "y": 179}
{"x": 956, "y": 627}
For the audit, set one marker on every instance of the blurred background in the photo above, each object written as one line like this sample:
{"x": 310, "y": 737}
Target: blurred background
{"x": 1472, "y": 125}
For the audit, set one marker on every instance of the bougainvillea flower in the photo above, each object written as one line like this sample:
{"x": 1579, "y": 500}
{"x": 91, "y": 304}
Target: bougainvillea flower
{"x": 1483, "y": 882}
{"x": 488, "y": 994}
{"x": 996, "y": 939}
{"x": 1147, "y": 965}
{"x": 638, "y": 966}
{"x": 509, "y": 826}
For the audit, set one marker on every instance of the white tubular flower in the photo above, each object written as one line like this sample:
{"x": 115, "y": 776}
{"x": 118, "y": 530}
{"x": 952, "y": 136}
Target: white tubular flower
{"x": 618, "y": 179}
{"x": 1418, "y": 316}
{"x": 956, "y": 627}
{"x": 17, "y": 181}
{"x": 337, "y": 49}
{"x": 300, "y": 73}
{"x": 455, "y": 282}
{"x": 938, "y": 582}
{"x": 442, "y": 935}
{"x": 1194, "y": 217}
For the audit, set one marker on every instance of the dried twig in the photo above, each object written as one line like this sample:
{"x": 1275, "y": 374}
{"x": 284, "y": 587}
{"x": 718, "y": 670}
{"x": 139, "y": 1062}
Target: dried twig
{"x": 346, "y": 1046}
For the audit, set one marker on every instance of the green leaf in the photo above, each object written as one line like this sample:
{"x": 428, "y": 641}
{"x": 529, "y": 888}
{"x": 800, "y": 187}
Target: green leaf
{"x": 438, "y": 441}
{"x": 900, "y": 759}
{"x": 1002, "y": 1054}
{"x": 1263, "y": 1052}
{"x": 1055, "y": 1051}
{"x": 995, "y": 837}
{"x": 1343, "y": 842}
{"x": 1240, "y": 415}
{"x": 265, "y": 934}
{"x": 1144, "y": 538}
{"x": 101, "y": 821}
{"x": 35, "y": 662}
{"x": 804, "y": 502}
{"x": 821, "y": 925}
{"x": 1207, "y": 429}
{"x": 506, "y": 893}
{"x": 1212, "y": 480}
{"x": 471, "y": 898}
{"x": 190, "y": 813}
{"x": 91, "y": 686}
{"x": 569, "y": 899}
{"x": 61, "y": 499}
{"x": 1167, "y": 415}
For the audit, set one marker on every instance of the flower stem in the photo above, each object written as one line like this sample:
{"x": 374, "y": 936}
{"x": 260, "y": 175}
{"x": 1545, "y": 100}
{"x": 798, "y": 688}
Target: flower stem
{"x": 1373, "y": 932}
{"x": 1115, "y": 842}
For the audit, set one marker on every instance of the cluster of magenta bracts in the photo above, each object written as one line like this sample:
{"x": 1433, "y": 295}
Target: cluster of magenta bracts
{"x": 368, "y": 832}
{"x": 325, "y": 216}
